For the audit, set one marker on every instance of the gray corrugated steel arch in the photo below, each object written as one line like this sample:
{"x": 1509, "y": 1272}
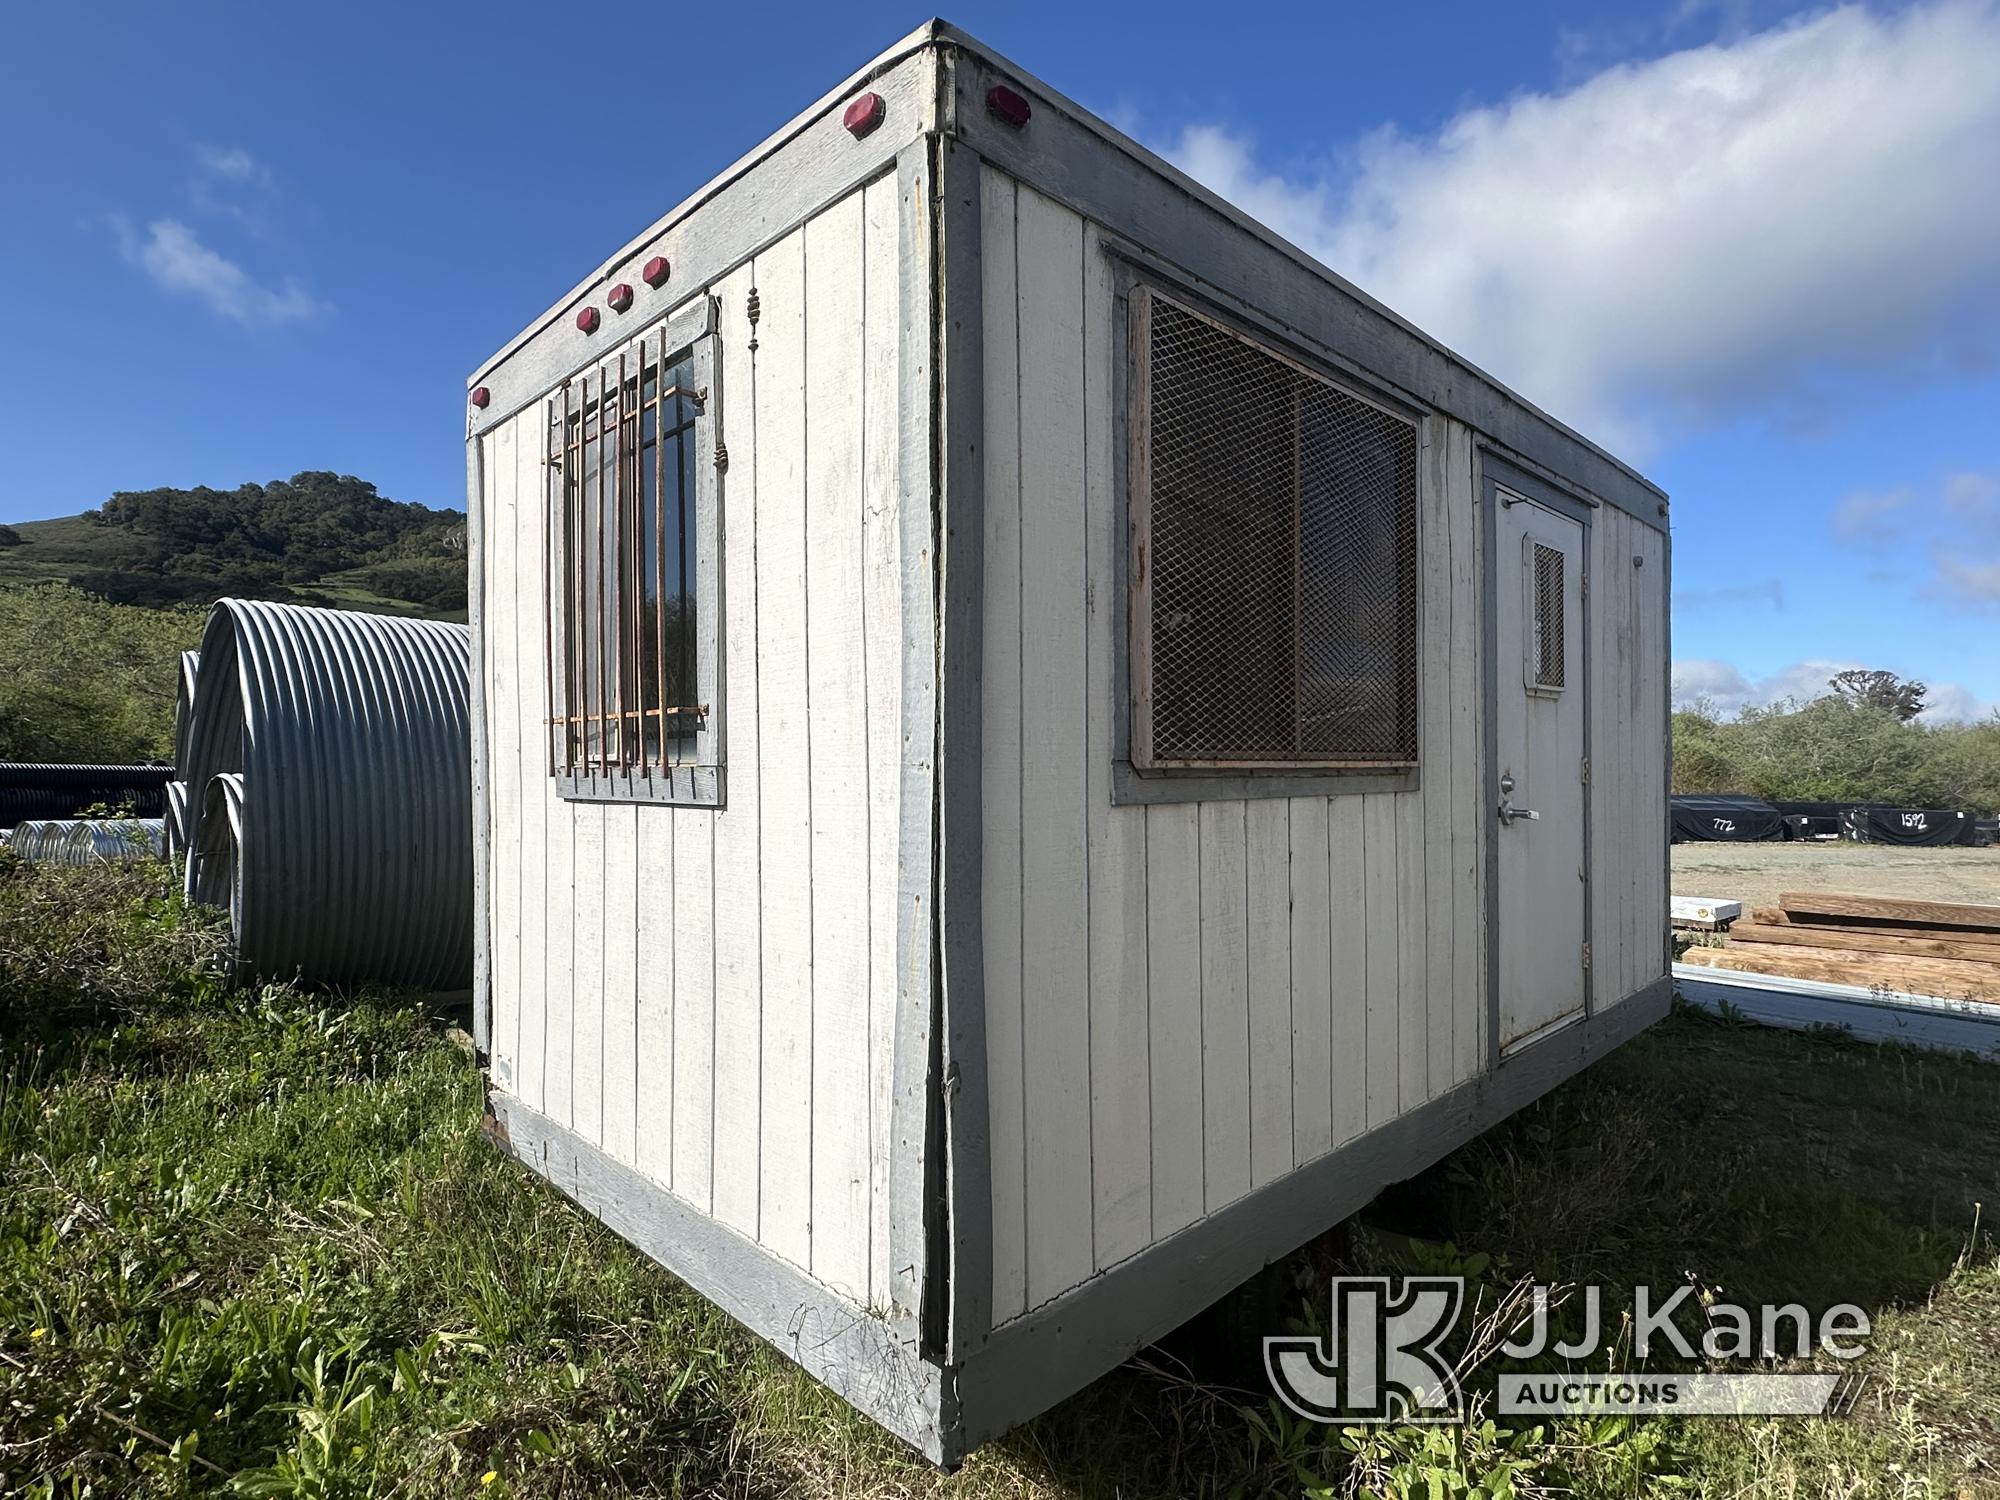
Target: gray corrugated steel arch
{"x": 352, "y": 735}
{"x": 177, "y": 790}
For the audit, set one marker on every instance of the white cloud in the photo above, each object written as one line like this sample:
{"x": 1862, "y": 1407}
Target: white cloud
{"x": 1869, "y": 516}
{"x": 1727, "y": 690}
{"x": 230, "y": 162}
{"x": 175, "y": 257}
{"x": 1705, "y": 229}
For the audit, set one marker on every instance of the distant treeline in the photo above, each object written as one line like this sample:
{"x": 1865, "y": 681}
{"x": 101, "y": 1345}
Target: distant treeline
{"x": 88, "y": 680}
{"x": 1859, "y": 742}
{"x": 258, "y": 539}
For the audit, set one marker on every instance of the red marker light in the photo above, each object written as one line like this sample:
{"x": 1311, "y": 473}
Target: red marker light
{"x": 1006, "y": 106}
{"x": 656, "y": 271}
{"x": 864, "y": 114}
{"x": 480, "y": 397}
{"x": 619, "y": 297}
{"x": 588, "y": 320}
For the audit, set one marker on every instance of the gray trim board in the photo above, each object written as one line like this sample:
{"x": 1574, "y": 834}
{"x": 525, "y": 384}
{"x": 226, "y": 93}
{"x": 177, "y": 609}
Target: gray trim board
{"x": 1037, "y": 1360}
{"x": 960, "y": 498}
{"x": 1066, "y": 152}
{"x": 841, "y": 1344}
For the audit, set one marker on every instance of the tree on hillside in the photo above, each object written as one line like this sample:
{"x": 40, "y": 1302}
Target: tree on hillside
{"x": 9, "y": 537}
{"x": 87, "y": 680}
{"x": 1903, "y": 697}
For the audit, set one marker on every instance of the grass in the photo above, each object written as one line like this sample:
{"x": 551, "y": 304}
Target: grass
{"x": 251, "y": 1242}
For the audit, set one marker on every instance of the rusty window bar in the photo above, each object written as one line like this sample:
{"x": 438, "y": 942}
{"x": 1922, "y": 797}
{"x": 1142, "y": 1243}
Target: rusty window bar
{"x": 660, "y": 546}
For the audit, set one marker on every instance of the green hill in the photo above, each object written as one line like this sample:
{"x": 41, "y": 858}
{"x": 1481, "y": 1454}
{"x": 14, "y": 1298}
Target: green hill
{"x": 316, "y": 538}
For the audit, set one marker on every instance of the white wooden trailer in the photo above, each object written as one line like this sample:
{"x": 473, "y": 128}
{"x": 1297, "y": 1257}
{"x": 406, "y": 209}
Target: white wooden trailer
{"x": 1035, "y": 747}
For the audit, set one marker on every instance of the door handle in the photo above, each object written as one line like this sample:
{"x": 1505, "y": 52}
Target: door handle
{"x": 1509, "y": 813}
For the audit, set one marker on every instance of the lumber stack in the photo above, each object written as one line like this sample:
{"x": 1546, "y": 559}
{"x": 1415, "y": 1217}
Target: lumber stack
{"x": 1949, "y": 949}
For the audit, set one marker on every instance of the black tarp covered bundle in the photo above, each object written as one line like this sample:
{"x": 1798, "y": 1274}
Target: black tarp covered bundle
{"x": 1821, "y": 819}
{"x": 1731, "y": 819}
{"x": 31, "y": 790}
{"x": 1869, "y": 823}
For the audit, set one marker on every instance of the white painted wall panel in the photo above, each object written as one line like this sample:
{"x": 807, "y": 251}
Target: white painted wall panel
{"x": 1190, "y": 1000}
{"x": 710, "y": 995}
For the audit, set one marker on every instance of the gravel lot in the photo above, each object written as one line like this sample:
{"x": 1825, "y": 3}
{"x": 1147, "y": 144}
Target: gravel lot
{"x": 1755, "y": 873}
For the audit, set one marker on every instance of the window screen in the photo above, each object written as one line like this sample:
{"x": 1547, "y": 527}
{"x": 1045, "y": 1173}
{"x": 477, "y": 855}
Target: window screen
{"x": 1547, "y": 583}
{"x": 631, "y": 650}
{"x": 1275, "y": 616}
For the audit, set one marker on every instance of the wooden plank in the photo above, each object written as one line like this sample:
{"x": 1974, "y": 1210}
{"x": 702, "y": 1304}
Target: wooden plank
{"x": 739, "y": 965}
{"x": 1441, "y": 878}
{"x": 783, "y": 750}
{"x": 1778, "y": 916}
{"x": 653, "y": 1069}
{"x": 1225, "y": 979}
{"x": 497, "y": 806}
{"x": 1174, "y": 961}
{"x": 1000, "y": 767}
{"x": 587, "y": 922}
{"x": 1347, "y": 943}
{"x": 1267, "y": 829}
{"x": 1470, "y": 822}
{"x": 837, "y": 716}
{"x": 694, "y": 1005}
{"x": 1860, "y": 939}
{"x": 621, "y": 980}
{"x": 1899, "y": 910}
{"x": 1381, "y": 893}
{"x": 1911, "y": 976}
{"x": 1413, "y": 955}
{"x": 529, "y": 601}
{"x": 1120, "y": 1101}
{"x": 1054, "y": 860}
{"x": 882, "y": 673}
{"x": 1311, "y": 978}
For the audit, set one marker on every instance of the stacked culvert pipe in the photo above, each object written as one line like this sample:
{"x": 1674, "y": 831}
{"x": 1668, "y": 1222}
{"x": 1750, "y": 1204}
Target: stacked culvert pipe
{"x": 177, "y": 790}
{"x": 86, "y": 841}
{"x": 329, "y": 804}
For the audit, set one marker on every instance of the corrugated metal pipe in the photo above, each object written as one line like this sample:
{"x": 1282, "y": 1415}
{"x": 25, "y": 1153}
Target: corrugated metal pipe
{"x": 177, "y": 792}
{"x": 55, "y": 790}
{"x": 86, "y": 841}
{"x": 329, "y": 773}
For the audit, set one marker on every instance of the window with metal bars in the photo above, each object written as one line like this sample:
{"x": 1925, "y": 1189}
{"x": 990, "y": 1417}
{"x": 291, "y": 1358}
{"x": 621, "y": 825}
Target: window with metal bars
{"x": 1545, "y": 582}
{"x": 632, "y": 622}
{"x": 1274, "y": 609}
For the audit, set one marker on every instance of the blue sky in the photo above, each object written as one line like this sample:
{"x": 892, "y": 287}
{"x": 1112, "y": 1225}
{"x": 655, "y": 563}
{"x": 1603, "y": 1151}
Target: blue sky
{"x": 1753, "y": 248}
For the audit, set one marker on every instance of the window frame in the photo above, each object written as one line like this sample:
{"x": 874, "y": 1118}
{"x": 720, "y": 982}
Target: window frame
{"x": 695, "y": 779}
{"x": 1137, "y": 278}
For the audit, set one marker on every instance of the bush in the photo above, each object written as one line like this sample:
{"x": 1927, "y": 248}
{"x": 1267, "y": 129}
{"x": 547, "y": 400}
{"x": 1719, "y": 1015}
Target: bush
{"x": 87, "y": 680}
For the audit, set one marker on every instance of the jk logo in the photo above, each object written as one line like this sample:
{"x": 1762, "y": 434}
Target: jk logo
{"x": 1380, "y": 1361}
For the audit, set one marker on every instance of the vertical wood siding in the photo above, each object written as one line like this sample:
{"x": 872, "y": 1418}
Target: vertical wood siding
{"x": 1190, "y": 1000}
{"x": 1628, "y": 757}
{"x": 709, "y": 996}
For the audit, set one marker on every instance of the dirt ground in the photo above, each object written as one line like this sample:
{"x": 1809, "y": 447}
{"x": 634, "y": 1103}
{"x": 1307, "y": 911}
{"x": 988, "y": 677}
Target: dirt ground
{"x": 1755, "y": 873}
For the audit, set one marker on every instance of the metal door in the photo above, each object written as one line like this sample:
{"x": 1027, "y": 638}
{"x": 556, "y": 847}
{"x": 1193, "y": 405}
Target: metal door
{"x": 1537, "y": 798}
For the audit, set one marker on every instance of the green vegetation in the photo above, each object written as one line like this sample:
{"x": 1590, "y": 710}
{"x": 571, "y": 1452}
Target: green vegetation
{"x": 1860, "y": 742}
{"x": 86, "y": 680}
{"x": 252, "y": 1242}
{"x": 314, "y": 538}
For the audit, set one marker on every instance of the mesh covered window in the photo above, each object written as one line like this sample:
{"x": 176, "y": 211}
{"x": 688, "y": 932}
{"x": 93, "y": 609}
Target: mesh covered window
{"x": 631, "y": 645}
{"x": 1274, "y": 617}
{"x": 1546, "y": 564}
